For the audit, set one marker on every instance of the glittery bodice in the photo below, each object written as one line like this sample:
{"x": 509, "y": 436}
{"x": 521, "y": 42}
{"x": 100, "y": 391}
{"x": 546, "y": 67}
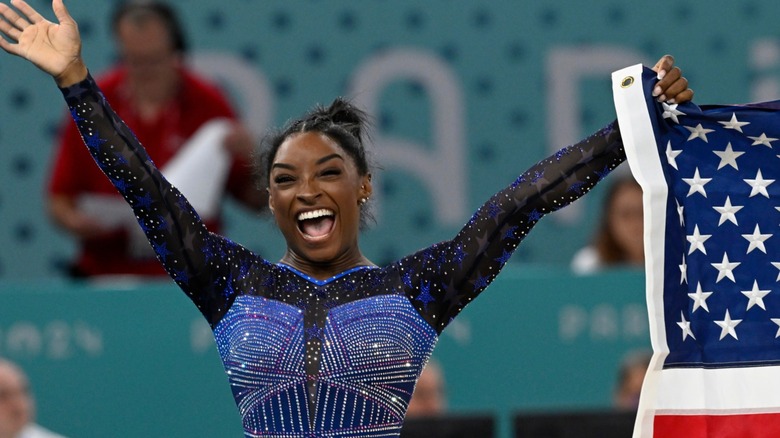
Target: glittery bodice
{"x": 335, "y": 357}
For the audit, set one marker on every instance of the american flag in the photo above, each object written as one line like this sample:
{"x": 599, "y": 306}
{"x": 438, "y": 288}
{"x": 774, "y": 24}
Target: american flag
{"x": 711, "y": 182}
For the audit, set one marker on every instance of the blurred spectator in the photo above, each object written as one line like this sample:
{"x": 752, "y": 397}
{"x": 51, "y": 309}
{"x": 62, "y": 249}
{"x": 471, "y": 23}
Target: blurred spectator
{"x": 17, "y": 408}
{"x": 165, "y": 105}
{"x": 429, "y": 397}
{"x": 619, "y": 240}
{"x": 631, "y": 376}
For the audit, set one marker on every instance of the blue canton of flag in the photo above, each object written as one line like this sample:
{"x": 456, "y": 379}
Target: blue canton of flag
{"x": 721, "y": 234}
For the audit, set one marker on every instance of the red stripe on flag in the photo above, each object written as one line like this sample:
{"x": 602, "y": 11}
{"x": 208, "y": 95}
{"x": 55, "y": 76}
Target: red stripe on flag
{"x": 717, "y": 426}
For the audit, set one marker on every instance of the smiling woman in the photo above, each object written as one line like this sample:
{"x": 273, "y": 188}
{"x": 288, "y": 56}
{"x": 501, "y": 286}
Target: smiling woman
{"x": 323, "y": 343}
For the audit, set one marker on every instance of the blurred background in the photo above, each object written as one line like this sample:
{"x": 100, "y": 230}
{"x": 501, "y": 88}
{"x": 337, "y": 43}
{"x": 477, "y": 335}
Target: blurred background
{"x": 465, "y": 95}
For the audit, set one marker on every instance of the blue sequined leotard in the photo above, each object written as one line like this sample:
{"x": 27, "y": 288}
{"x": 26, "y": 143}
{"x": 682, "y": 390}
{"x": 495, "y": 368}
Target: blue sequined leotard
{"x": 339, "y": 357}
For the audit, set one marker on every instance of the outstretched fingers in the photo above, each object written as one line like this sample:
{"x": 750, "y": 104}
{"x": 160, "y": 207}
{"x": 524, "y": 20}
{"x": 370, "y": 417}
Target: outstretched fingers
{"x": 32, "y": 15}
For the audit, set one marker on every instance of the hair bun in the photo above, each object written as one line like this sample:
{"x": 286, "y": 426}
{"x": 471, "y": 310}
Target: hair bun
{"x": 347, "y": 115}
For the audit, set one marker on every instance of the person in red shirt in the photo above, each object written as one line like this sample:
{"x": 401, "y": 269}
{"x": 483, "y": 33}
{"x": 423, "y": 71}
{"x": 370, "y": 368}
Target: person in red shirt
{"x": 164, "y": 104}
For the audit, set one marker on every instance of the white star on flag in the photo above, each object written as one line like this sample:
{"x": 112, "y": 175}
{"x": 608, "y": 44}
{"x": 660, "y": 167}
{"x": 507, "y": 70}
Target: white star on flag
{"x": 777, "y": 321}
{"x": 728, "y": 212}
{"x": 671, "y": 112}
{"x": 683, "y": 271}
{"x": 671, "y": 155}
{"x": 755, "y": 296}
{"x": 697, "y": 241}
{"x": 680, "y": 209}
{"x": 758, "y": 185}
{"x": 725, "y": 268}
{"x": 686, "y": 327}
{"x": 697, "y": 183}
{"x": 734, "y": 123}
{"x": 777, "y": 265}
{"x": 756, "y": 240}
{"x": 727, "y": 157}
{"x": 699, "y": 132}
{"x": 727, "y": 326}
{"x": 700, "y": 298}
{"x": 762, "y": 140}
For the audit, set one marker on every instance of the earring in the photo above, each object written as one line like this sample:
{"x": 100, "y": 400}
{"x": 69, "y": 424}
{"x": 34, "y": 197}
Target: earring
{"x": 363, "y": 201}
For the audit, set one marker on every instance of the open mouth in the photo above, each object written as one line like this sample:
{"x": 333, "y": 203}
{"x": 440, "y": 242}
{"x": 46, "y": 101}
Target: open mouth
{"x": 316, "y": 223}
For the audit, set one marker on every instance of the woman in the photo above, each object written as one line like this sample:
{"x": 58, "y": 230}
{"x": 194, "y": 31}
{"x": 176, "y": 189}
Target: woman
{"x": 323, "y": 343}
{"x": 619, "y": 240}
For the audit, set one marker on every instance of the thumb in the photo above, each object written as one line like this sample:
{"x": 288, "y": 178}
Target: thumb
{"x": 60, "y": 11}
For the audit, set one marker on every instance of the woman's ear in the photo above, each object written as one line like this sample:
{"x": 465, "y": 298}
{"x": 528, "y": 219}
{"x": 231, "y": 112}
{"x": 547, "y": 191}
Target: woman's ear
{"x": 366, "y": 189}
{"x": 270, "y": 201}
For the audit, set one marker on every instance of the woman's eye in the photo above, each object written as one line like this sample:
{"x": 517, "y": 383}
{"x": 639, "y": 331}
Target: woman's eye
{"x": 331, "y": 172}
{"x": 281, "y": 179}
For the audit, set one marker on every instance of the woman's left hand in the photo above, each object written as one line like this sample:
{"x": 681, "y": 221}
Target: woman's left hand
{"x": 672, "y": 86}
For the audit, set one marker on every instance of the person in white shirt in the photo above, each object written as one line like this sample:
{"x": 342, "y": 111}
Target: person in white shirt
{"x": 17, "y": 407}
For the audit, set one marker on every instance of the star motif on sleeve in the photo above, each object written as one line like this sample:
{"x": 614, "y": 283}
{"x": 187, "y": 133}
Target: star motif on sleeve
{"x": 683, "y": 271}
{"x": 728, "y": 212}
{"x": 407, "y": 279}
{"x": 700, "y": 298}
{"x": 162, "y": 250}
{"x": 481, "y": 282}
{"x": 460, "y": 254}
{"x": 534, "y": 216}
{"x": 671, "y": 112}
{"x": 577, "y": 187}
{"x": 504, "y": 258}
{"x": 734, "y": 123}
{"x": 493, "y": 209}
{"x": 538, "y": 174}
{"x": 120, "y": 159}
{"x": 697, "y": 241}
{"x": 755, "y": 296}
{"x": 181, "y": 276}
{"x": 510, "y": 232}
{"x": 728, "y": 157}
{"x": 725, "y": 268}
{"x": 93, "y": 141}
{"x": 697, "y": 183}
{"x": 520, "y": 179}
{"x": 425, "y": 295}
{"x": 671, "y": 155}
{"x": 762, "y": 140}
{"x": 144, "y": 201}
{"x": 120, "y": 185}
{"x": 74, "y": 114}
{"x": 759, "y": 185}
{"x": 561, "y": 153}
{"x": 727, "y": 326}
{"x": 698, "y": 132}
{"x": 756, "y": 240}
{"x": 686, "y": 327}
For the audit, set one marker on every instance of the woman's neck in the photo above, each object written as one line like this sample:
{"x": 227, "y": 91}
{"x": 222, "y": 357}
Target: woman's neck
{"x": 327, "y": 269}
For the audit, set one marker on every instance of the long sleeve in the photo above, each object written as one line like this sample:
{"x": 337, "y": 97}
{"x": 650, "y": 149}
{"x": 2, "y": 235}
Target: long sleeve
{"x": 205, "y": 265}
{"x": 443, "y": 278}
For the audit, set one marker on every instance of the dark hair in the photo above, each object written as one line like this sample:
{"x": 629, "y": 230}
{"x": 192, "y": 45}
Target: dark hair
{"x": 141, "y": 9}
{"x": 610, "y": 252}
{"x": 342, "y": 121}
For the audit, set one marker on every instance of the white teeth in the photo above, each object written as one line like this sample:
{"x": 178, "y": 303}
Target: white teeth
{"x": 314, "y": 214}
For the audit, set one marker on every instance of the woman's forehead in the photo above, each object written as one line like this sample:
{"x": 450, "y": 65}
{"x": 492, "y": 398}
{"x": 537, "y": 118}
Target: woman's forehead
{"x": 308, "y": 146}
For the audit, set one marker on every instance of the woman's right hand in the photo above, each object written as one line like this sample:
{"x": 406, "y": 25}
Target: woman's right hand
{"x": 54, "y": 48}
